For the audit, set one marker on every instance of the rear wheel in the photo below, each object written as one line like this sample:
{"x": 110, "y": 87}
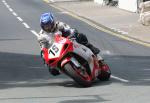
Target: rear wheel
{"x": 82, "y": 78}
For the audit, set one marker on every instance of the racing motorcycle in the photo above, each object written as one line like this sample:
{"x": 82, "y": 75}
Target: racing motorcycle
{"x": 75, "y": 60}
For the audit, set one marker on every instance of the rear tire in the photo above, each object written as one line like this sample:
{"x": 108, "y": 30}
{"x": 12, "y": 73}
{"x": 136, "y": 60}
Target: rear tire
{"x": 69, "y": 70}
{"x": 105, "y": 75}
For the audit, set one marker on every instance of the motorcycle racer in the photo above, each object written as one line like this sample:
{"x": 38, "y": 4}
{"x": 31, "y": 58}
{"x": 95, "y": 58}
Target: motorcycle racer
{"x": 50, "y": 27}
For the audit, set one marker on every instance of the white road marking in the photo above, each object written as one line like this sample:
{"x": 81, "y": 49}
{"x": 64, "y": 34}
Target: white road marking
{"x": 106, "y": 52}
{"x": 147, "y": 69}
{"x": 10, "y": 9}
{"x": 64, "y": 12}
{"x": 7, "y": 6}
{"x": 26, "y": 25}
{"x": 19, "y": 18}
{"x": 52, "y": 0}
{"x": 120, "y": 79}
{"x": 35, "y": 33}
{"x": 3, "y": 1}
{"x": 123, "y": 32}
{"x": 148, "y": 79}
{"x": 36, "y": 67}
{"x": 14, "y": 13}
{"x": 120, "y": 31}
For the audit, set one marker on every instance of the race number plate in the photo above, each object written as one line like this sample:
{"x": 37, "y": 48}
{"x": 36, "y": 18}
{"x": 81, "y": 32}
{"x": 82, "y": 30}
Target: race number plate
{"x": 55, "y": 50}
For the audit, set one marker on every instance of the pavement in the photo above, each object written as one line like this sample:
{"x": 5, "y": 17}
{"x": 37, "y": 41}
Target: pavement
{"x": 108, "y": 18}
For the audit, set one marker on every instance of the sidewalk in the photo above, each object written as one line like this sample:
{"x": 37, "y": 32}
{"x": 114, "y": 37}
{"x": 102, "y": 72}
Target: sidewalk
{"x": 114, "y": 19}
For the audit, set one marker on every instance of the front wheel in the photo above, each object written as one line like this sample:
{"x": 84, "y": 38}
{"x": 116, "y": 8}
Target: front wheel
{"x": 77, "y": 75}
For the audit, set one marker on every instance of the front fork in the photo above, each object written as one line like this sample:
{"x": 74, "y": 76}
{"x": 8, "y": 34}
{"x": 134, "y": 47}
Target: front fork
{"x": 73, "y": 60}
{"x": 76, "y": 64}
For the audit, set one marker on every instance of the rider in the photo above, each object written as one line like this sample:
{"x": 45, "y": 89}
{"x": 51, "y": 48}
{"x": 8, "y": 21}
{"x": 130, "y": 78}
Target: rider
{"x": 50, "y": 27}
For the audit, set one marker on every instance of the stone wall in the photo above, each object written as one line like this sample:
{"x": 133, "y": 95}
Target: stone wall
{"x": 145, "y": 13}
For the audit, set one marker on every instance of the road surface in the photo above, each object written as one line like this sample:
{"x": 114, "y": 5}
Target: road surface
{"x": 25, "y": 79}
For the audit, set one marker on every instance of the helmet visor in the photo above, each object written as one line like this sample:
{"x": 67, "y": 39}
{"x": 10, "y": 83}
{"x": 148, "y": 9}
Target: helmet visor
{"x": 48, "y": 27}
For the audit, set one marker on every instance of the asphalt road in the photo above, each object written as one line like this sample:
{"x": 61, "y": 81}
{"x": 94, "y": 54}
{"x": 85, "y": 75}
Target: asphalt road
{"x": 24, "y": 78}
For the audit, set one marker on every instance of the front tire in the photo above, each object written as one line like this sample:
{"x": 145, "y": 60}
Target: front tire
{"x": 71, "y": 72}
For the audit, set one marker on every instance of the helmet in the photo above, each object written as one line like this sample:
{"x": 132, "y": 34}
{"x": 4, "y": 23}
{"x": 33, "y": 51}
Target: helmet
{"x": 47, "y": 21}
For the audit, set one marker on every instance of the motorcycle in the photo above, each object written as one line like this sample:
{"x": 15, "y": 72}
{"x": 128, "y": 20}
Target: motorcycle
{"x": 75, "y": 60}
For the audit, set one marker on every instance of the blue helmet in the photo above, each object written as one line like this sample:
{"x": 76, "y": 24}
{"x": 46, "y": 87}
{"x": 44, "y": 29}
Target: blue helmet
{"x": 47, "y": 21}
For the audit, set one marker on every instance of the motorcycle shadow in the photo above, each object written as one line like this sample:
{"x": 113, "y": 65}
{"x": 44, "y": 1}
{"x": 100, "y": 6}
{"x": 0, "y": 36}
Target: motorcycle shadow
{"x": 96, "y": 83}
{"x": 73, "y": 84}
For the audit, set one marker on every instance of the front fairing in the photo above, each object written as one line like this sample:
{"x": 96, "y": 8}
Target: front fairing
{"x": 57, "y": 50}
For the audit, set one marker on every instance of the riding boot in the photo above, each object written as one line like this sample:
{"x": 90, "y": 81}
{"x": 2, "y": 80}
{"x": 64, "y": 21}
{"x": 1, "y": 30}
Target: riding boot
{"x": 92, "y": 48}
{"x": 54, "y": 71}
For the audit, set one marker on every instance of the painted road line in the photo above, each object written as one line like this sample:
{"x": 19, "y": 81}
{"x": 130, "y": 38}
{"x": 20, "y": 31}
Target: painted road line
{"x": 14, "y": 13}
{"x": 106, "y": 52}
{"x": 118, "y": 30}
{"x": 120, "y": 79}
{"x": 64, "y": 12}
{"x": 20, "y": 19}
{"x": 10, "y": 9}
{"x": 26, "y": 25}
{"x": 6, "y": 4}
{"x": 47, "y": 1}
{"x": 147, "y": 69}
{"x": 100, "y": 28}
{"x": 34, "y": 67}
{"x": 3, "y": 1}
{"x": 35, "y": 33}
{"x": 52, "y": 1}
{"x": 123, "y": 32}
